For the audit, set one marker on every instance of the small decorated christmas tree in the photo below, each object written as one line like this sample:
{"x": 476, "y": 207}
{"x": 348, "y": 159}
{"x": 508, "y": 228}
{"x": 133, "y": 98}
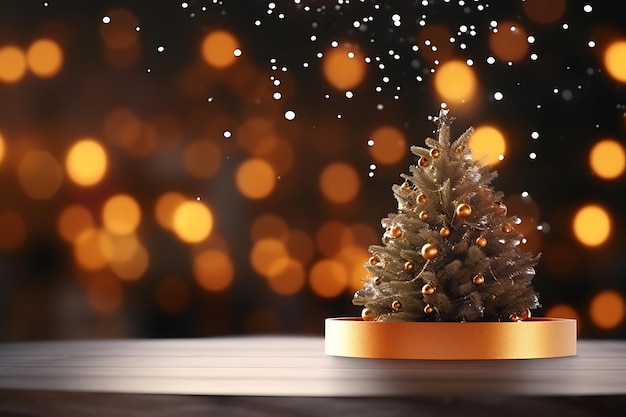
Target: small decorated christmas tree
{"x": 451, "y": 252}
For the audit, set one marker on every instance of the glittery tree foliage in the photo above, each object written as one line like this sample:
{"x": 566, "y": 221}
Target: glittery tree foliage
{"x": 451, "y": 252}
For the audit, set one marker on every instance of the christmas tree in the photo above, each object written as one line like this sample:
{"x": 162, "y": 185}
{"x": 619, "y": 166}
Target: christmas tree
{"x": 451, "y": 252}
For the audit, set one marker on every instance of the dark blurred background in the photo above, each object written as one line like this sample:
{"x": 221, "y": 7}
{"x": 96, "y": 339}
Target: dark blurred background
{"x": 197, "y": 168}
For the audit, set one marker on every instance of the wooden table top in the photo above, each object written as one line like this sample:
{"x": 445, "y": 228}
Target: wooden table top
{"x": 284, "y": 366}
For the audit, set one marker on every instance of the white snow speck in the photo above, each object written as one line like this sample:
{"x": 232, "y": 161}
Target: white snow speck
{"x": 498, "y": 95}
{"x": 290, "y": 115}
{"x": 227, "y": 134}
{"x": 106, "y": 19}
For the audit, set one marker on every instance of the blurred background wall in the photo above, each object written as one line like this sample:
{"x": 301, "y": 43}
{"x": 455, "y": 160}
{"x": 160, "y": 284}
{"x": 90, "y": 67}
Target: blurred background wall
{"x": 213, "y": 167}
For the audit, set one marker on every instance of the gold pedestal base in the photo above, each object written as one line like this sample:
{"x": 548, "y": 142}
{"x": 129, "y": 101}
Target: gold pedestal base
{"x": 531, "y": 338}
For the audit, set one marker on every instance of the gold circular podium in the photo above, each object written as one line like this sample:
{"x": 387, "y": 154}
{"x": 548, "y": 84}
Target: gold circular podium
{"x": 527, "y": 339}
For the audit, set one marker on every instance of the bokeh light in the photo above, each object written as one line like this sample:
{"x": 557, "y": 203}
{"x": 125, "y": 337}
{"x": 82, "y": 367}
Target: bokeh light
{"x": 343, "y": 66}
{"x": 12, "y": 64}
{"x": 192, "y": 222}
{"x": 268, "y": 255}
{"x": 40, "y": 175}
{"x": 487, "y": 142}
{"x": 509, "y": 42}
{"x": 202, "y": 158}
{"x": 544, "y": 12}
{"x": 269, "y": 225}
{"x": 121, "y": 214}
{"x": 73, "y": 221}
{"x": 86, "y": 162}
{"x": 166, "y": 206}
{"x": 615, "y": 60}
{"x": 218, "y": 48}
{"x": 455, "y": 82}
{"x": 14, "y": 230}
{"x": 288, "y": 279}
{"x": 389, "y": 145}
{"x": 120, "y": 30}
{"x": 607, "y": 309}
{"x": 2, "y": 148}
{"x": 607, "y": 159}
{"x": 44, "y": 58}
{"x": 328, "y": 278}
{"x": 255, "y": 178}
{"x": 91, "y": 249}
{"x": 592, "y": 225}
{"x": 213, "y": 270}
{"x": 339, "y": 182}
{"x": 128, "y": 259}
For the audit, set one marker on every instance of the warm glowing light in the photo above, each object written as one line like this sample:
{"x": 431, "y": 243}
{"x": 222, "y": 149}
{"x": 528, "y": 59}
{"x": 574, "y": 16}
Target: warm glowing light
{"x": 165, "y": 208}
{"x": 344, "y": 66}
{"x": 129, "y": 258}
{"x": 592, "y": 225}
{"x": 40, "y": 175}
{"x": 86, "y": 162}
{"x": 328, "y": 237}
{"x": 288, "y": 279}
{"x": 121, "y": 214}
{"x": 563, "y": 311}
{"x": 12, "y": 64}
{"x": 2, "y": 147}
{"x": 255, "y": 178}
{"x": 300, "y": 246}
{"x": 257, "y": 136}
{"x": 172, "y": 294}
{"x": 91, "y": 248}
{"x": 353, "y": 257}
{"x": 13, "y": 230}
{"x": 269, "y": 225}
{"x": 607, "y": 159}
{"x": 339, "y": 182}
{"x": 193, "y": 222}
{"x": 202, "y": 158}
{"x": 615, "y": 60}
{"x": 268, "y": 255}
{"x": 607, "y": 309}
{"x": 124, "y": 129}
{"x": 44, "y": 58}
{"x": 510, "y": 42}
{"x": 544, "y": 12}
{"x": 218, "y": 48}
{"x": 487, "y": 142}
{"x": 328, "y": 278}
{"x": 455, "y": 82}
{"x": 213, "y": 270}
{"x": 73, "y": 221}
{"x": 121, "y": 30}
{"x": 389, "y": 145}
{"x": 104, "y": 294}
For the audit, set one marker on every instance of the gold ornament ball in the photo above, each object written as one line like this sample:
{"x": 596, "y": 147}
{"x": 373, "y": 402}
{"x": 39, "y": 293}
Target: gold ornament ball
{"x": 520, "y": 316}
{"x": 428, "y": 309}
{"x": 373, "y": 260}
{"x": 428, "y": 289}
{"x": 377, "y": 281}
{"x": 478, "y": 279}
{"x": 423, "y": 216}
{"x": 421, "y": 198}
{"x": 396, "y": 231}
{"x": 367, "y": 315}
{"x": 396, "y": 305}
{"x": 435, "y": 153}
{"x": 501, "y": 209}
{"x": 444, "y": 231}
{"x": 406, "y": 186}
{"x": 409, "y": 266}
{"x": 481, "y": 241}
{"x": 423, "y": 162}
{"x": 506, "y": 228}
{"x": 463, "y": 210}
{"x": 430, "y": 251}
